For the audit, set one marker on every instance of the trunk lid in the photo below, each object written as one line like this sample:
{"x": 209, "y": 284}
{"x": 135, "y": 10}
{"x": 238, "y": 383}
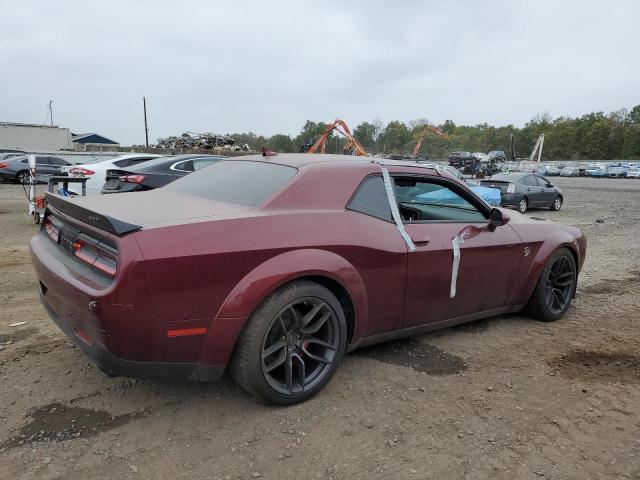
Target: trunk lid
{"x": 501, "y": 185}
{"x": 127, "y": 212}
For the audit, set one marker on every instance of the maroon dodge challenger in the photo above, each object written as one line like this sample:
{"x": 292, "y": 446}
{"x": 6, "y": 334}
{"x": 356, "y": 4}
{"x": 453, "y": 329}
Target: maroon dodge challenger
{"x": 276, "y": 266}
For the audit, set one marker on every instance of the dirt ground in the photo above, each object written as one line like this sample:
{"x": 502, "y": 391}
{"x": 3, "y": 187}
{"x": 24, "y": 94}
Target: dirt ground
{"x": 503, "y": 398}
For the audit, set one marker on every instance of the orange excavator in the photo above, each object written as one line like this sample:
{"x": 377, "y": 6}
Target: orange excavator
{"x": 341, "y": 127}
{"x": 427, "y": 128}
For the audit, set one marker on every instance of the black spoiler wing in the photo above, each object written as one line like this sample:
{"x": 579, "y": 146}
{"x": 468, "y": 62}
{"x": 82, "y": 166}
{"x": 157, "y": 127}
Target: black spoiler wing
{"x": 98, "y": 220}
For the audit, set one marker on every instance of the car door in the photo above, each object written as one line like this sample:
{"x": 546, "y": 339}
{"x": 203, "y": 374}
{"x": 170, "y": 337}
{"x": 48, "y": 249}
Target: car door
{"x": 43, "y": 165}
{"x": 56, "y": 165}
{"x": 549, "y": 193}
{"x": 442, "y": 283}
{"x": 532, "y": 190}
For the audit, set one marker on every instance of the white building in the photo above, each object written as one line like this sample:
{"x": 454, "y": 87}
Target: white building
{"x": 28, "y": 137}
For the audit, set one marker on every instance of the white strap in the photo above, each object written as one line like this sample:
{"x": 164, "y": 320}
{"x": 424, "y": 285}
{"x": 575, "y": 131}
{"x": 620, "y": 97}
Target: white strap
{"x": 455, "y": 243}
{"x": 394, "y": 208}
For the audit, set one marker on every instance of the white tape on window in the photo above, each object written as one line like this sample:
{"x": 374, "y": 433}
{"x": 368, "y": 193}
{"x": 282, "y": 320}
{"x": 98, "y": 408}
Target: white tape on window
{"x": 455, "y": 243}
{"x": 394, "y": 208}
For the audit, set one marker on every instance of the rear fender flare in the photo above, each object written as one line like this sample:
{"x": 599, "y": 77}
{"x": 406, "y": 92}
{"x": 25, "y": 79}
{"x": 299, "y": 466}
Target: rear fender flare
{"x": 267, "y": 277}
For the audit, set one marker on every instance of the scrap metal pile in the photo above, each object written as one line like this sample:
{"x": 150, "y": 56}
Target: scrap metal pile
{"x": 202, "y": 141}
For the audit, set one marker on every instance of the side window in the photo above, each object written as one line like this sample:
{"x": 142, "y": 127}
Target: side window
{"x": 425, "y": 200}
{"x": 542, "y": 182}
{"x": 57, "y": 161}
{"x": 122, "y": 163}
{"x": 136, "y": 161}
{"x": 199, "y": 163}
{"x": 530, "y": 181}
{"x": 26, "y": 160}
{"x": 42, "y": 160}
{"x": 184, "y": 166}
{"x": 371, "y": 199}
{"x": 127, "y": 162}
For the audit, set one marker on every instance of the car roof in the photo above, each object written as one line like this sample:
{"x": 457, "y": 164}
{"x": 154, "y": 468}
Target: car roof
{"x": 514, "y": 175}
{"x": 306, "y": 160}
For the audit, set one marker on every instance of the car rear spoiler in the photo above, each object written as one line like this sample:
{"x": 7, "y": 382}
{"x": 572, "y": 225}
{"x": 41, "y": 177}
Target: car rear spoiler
{"x": 98, "y": 220}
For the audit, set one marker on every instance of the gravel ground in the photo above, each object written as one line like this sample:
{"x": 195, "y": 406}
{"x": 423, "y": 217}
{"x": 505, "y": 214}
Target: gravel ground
{"x": 502, "y": 398}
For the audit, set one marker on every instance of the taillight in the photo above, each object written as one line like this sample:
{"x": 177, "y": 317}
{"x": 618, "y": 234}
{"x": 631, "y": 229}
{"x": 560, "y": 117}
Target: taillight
{"x": 51, "y": 228}
{"x": 3, "y": 165}
{"x": 90, "y": 250}
{"x": 511, "y": 188}
{"x": 81, "y": 171}
{"x": 95, "y": 253}
{"x": 132, "y": 178}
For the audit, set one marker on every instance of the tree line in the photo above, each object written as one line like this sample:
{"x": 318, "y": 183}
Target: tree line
{"x": 594, "y": 136}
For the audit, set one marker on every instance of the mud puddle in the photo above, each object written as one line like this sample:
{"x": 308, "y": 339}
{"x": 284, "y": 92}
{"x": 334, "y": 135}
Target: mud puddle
{"x": 609, "y": 367}
{"x": 63, "y": 422}
{"x": 616, "y": 286}
{"x": 414, "y": 354}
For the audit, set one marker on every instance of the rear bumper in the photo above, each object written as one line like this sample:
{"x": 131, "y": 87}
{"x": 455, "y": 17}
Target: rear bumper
{"x": 510, "y": 200}
{"x": 7, "y": 176}
{"x": 119, "y": 367}
{"x": 99, "y": 332}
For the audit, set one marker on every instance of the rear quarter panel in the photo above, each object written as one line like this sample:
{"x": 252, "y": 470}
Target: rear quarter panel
{"x": 215, "y": 274}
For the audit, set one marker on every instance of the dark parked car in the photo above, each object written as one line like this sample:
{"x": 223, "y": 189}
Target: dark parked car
{"x": 466, "y": 162}
{"x": 155, "y": 173}
{"x": 276, "y": 266}
{"x": 16, "y": 169}
{"x": 525, "y": 190}
{"x": 498, "y": 155}
{"x": 616, "y": 172}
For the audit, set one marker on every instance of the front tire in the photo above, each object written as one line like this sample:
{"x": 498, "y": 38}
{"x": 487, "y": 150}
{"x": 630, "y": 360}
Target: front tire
{"x": 292, "y": 344}
{"x": 555, "y": 288}
{"x": 523, "y": 204}
{"x": 557, "y": 204}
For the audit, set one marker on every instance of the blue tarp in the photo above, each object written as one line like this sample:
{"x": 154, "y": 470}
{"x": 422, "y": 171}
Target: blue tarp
{"x": 444, "y": 196}
{"x": 489, "y": 195}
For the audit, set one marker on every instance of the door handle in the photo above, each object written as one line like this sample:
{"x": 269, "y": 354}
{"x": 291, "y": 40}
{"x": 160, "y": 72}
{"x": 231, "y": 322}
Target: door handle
{"x": 420, "y": 239}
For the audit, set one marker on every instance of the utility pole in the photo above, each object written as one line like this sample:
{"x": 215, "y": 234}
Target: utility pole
{"x": 49, "y": 112}
{"x": 146, "y": 129}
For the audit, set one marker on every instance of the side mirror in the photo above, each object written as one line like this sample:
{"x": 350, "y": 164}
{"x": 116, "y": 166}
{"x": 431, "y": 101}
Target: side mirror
{"x": 498, "y": 218}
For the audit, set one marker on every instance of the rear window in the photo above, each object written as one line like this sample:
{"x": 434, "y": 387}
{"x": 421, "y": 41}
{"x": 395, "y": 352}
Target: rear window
{"x": 235, "y": 181}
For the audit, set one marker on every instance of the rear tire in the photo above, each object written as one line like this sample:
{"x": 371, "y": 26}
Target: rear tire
{"x": 22, "y": 177}
{"x": 523, "y": 205}
{"x": 292, "y": 344}
{"x": 555, "y": 288}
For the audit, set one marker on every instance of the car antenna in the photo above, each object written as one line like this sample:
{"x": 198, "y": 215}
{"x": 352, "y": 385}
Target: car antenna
{"x": 268, "y": 153}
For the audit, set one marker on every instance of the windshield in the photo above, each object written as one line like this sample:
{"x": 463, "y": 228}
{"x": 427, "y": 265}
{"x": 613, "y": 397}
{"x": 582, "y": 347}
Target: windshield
{"x": 235, "y": 181}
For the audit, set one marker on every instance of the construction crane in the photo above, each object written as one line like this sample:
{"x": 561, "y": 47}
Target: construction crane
{"x": 537, "y": 149}
{"x": 341, "y": 127}
{"x": 427, "y": 128}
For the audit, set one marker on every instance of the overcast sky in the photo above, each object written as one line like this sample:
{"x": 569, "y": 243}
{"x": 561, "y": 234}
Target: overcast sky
{"x": 267, "y": 66}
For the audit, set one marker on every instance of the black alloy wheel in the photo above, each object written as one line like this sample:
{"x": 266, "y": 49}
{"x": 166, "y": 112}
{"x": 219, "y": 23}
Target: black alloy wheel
{"x": 555, "y": 288}
{"x": 291, "y": 345}
{"x": 560, "y": 285}
{"x": 300, "y": 345}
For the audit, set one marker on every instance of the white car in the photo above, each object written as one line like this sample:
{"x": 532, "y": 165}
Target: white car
{"x": 633, "y": 173}
{"x": 96, "y": 170}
